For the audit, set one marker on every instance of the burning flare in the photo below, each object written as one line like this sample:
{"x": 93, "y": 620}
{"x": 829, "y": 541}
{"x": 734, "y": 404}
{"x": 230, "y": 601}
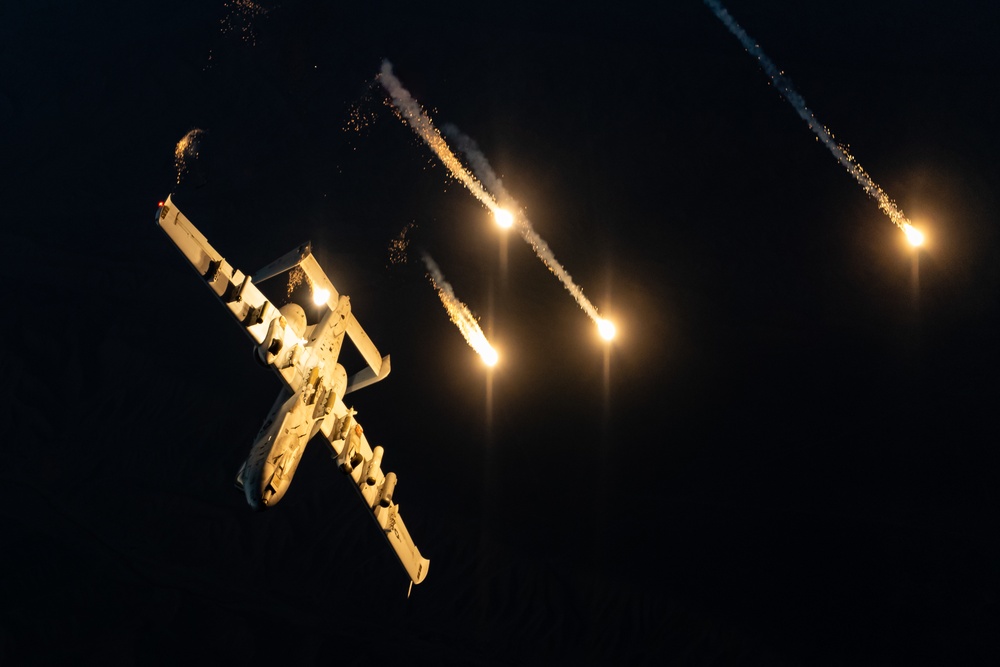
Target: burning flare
{"x": 504, "y": 217}
{"x": 913, "y": 235}
{"x": 460, "y": 314}
{"x": 784, "y": 87}
{"x": 411, "y": 112}
{"x": 606, "y": 329}
{"x": 320, "y": 296}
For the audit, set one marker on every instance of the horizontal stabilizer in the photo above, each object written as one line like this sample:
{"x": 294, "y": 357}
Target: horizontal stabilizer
{"x": 286, "y": 262}
{"x": 368, "y": 376}
{"x": 317, "y": 278}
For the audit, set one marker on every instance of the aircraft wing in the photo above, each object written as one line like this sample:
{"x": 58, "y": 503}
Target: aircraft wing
{"x": 245, "y": 302}
{"x": 363, "y": 464}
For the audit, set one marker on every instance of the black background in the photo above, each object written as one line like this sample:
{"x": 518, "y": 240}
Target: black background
{"x": 787, "y": 457}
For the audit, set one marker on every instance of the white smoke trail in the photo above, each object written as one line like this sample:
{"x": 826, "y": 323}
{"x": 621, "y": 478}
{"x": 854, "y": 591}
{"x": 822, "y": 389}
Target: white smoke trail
{"x": 411, "y": 112}
{"x": 480, "y": 165}
{"x": 784, "y": 87}
{"x": 460, "y": 314}
{"x": 485, "y": 172}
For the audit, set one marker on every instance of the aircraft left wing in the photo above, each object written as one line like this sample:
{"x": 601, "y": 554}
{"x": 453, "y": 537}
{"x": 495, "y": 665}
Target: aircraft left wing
{"x": 236, "y": 290}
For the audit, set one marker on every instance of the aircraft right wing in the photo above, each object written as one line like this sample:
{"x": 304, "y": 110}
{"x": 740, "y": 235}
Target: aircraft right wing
{"x": 363, "y": 464}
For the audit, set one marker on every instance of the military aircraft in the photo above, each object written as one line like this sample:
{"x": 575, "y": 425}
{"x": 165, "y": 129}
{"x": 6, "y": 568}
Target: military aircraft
{"x": 311, "y": 401}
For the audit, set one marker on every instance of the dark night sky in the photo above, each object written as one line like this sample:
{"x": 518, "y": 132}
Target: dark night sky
{"x": 788, "y": 457}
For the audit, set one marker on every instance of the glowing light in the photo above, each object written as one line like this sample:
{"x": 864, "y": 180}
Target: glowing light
{"x": 186, "y": 151}
{"x": 542, "y": 250}
{"x": 410, "y": 112}
{"x": 784, "y": 88}
{"x": 913, "y": 235}
{"x": 460, "y": 314}
{"x": 321, "y": 296}
{"x": 503, "y": 217}
{"x": 606, "y": 329}
{"x": 490, "y": 357}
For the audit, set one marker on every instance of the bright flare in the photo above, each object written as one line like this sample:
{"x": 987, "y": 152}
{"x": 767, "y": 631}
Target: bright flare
{"x": 784, "y": 87}
{"x": 486, "y": 175}
{"x": 503, "y": 217}
{"x": 410, "y": 112}
{"x": 460, "y": 314}
{"x": 913, "y": 235}
{"x": 321, "y": 296}
{"x": 606, "y": 329}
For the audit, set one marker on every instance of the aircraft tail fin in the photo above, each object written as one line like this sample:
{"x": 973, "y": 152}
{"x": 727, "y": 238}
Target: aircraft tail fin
{"x": 365, "y": 346}
{"x": 302, "y": 257}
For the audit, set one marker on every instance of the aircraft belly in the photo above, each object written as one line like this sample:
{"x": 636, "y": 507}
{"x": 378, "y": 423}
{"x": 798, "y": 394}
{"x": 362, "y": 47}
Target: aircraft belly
{"x": 276, "y": 453}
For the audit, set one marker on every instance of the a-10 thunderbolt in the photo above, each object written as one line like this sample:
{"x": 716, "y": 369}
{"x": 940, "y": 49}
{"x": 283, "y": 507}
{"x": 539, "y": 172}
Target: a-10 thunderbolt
{"x": 311, "y": 401}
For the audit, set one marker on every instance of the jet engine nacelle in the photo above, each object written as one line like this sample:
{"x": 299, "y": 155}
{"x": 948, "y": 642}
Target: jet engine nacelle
{"x": 295, "y": 317}
{"x": 338, "y": 384}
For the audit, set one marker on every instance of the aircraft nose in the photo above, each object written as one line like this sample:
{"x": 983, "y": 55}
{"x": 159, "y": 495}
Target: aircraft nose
{"x": 265, "y": 498}
{"x": 272, "y": 488}
{"x": 259, "y": 492}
